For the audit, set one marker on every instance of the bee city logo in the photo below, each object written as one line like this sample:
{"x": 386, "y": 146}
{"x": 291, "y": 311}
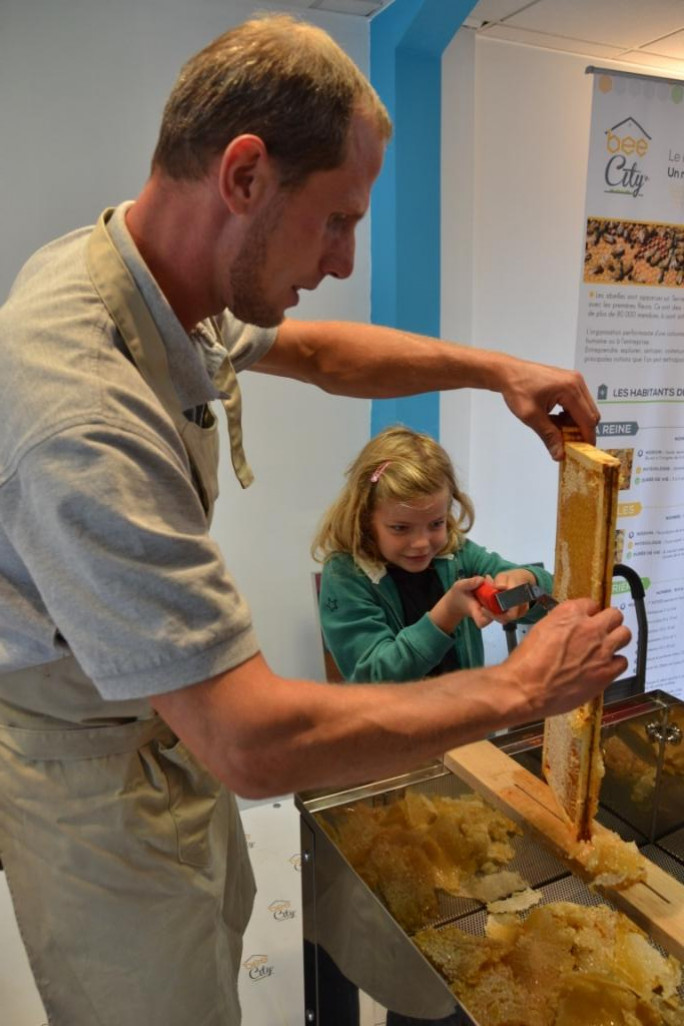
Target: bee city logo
{"x": 258, "y": 967}
{"x": 626, "y": 142}
{"x": 296, "y": 862}
{"x": 281, "y": 910}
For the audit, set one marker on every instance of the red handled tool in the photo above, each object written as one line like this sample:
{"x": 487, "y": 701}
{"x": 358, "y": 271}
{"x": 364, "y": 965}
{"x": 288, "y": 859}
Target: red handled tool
{"x": 488, "y": 596}
{"x": 500, "y": 600}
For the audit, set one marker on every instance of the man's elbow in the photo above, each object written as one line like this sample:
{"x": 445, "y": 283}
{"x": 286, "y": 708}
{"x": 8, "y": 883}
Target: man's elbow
{"x": 248, "y": 775}
{"x": 250, "y": 753}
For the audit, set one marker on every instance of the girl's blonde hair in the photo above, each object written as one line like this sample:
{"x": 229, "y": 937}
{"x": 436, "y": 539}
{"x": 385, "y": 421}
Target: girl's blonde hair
{"x": 401, "y": 465}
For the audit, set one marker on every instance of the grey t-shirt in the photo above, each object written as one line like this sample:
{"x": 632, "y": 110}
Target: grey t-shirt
{"x": 104, "y": 545}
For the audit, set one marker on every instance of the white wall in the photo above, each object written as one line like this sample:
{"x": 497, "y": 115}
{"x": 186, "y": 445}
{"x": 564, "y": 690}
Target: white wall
{"x": 515, "y": 138}
{"x": 83, "y": 85}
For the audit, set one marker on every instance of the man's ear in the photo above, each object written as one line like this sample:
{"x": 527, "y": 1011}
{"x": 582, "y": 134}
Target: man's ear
{"x": 245, "y": 173}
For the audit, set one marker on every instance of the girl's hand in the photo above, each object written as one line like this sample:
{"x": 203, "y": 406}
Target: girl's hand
{"x": 511, "y": 579}
{"x": 463, "y": 603}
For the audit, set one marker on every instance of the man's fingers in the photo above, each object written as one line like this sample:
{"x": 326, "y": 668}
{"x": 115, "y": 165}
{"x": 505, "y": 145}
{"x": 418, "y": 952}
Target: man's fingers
{"x": 585, "y": 416}
{"x": 579, "y": 403}
{"x": 581, "y": 607}
{"x": 609, "y": 621}
{"x": 615, "y": 668}
{"x": 620, "y": 638}
{"x": 610, "y": 615}
{"x": 551, "y": 437}
{"x": 609, "y": 624}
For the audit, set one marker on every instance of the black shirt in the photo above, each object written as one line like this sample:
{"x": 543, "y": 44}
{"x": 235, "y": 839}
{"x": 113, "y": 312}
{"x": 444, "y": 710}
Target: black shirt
{"x": 419, "y": 592}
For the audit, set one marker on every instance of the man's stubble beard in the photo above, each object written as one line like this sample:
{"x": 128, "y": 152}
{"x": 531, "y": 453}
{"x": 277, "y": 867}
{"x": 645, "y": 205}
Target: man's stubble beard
{"x": 249, "y": 300}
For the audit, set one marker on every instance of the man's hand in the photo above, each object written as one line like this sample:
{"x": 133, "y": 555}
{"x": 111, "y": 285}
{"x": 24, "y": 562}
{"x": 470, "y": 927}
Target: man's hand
{"x": 532, "y": 390}
{"x": 569, "y": 657}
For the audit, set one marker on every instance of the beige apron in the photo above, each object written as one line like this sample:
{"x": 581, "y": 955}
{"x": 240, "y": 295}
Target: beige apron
{"x": 126, "y": 860}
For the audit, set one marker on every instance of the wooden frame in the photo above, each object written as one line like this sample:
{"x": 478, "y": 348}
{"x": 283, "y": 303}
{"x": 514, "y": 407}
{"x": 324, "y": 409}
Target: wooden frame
{"x": 585, "y": 545}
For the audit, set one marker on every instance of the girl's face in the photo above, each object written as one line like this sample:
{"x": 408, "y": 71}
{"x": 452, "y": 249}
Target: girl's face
{"x": 410, "y": 534}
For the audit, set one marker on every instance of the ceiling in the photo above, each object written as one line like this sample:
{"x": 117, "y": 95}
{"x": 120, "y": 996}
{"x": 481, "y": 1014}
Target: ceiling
{"x": 643, "y": 32}
{"x": 362, "y": 8}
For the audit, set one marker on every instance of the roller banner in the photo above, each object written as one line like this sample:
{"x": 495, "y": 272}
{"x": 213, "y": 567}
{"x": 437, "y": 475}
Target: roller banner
{"x": 630, "y": 341}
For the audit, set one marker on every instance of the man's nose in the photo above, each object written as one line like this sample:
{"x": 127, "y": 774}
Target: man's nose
{"x": 338, "y": 261}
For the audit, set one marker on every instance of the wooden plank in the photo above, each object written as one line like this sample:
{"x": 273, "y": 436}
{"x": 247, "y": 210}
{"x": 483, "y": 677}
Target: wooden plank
{"x": 656, "y": 904}
{"x": 585, "y": 543}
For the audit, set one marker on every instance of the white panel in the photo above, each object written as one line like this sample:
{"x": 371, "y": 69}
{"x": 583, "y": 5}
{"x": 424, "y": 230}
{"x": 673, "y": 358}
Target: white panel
{"x": 496, "y": 10}
{"x": 654, "y": 63}
{"x": 358, "y": 7}
{"x": 526, "y": 37}
{"x": 623, "y": 23}
{"x": 671, "y": 46}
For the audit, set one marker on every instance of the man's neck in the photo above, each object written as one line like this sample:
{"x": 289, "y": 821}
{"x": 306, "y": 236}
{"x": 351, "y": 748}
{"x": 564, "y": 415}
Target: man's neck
{"x": 174, "y": 226}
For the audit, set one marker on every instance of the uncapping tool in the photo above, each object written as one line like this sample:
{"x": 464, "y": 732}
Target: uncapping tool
{"x": 500, "y": 600}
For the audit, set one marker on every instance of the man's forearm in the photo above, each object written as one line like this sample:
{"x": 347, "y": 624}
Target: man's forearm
{"x": 371, "y": 362}
{"x": 273, "y": 736}
{"x": 366, "y": 361}
{"x": 263, "y": 735}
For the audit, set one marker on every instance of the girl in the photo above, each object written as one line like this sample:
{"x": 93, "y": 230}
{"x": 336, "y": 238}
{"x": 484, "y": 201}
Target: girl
{"x": 397, "y": 598}
{"x": 397, "y": 595}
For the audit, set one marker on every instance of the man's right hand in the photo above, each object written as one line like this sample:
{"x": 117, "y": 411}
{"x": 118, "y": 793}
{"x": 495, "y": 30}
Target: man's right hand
{"x": 570, "y": 656}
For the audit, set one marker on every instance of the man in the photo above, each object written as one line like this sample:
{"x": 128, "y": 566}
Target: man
{"x": 122, "y": 631}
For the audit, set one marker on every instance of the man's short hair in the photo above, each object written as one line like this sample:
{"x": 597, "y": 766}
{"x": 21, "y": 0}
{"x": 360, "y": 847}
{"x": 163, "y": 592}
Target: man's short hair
{"x": 281, "y": 79}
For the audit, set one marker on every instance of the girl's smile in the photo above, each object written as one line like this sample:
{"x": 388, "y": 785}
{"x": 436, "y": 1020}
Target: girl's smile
{"x": 411, "y": 534}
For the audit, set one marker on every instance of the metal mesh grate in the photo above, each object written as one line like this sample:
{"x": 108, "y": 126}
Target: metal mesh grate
{"x": 663, "y": 859}
{"x": 531, "y": 861}
{"x": 569, "y": 888}
{"x": 534, "y": 863}
{"x": 673, "y": 844}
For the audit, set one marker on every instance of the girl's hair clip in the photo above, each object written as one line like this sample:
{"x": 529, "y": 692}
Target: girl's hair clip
{"x": 377, "y": 474}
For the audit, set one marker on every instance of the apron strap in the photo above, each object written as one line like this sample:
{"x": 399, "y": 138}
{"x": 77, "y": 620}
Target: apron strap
{"x": 226, "y": 381}
{"x": 127, "y": 308}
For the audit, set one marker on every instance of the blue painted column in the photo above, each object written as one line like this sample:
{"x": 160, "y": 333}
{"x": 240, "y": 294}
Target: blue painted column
{"x": 407, "y": 43}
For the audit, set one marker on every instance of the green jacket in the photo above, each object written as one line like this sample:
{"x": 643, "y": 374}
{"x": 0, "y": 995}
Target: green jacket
{"x": 363, "y": 622}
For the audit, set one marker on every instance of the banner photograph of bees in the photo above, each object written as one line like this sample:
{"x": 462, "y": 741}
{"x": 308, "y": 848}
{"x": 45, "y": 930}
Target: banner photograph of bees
{"x": 634, "y": 253}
